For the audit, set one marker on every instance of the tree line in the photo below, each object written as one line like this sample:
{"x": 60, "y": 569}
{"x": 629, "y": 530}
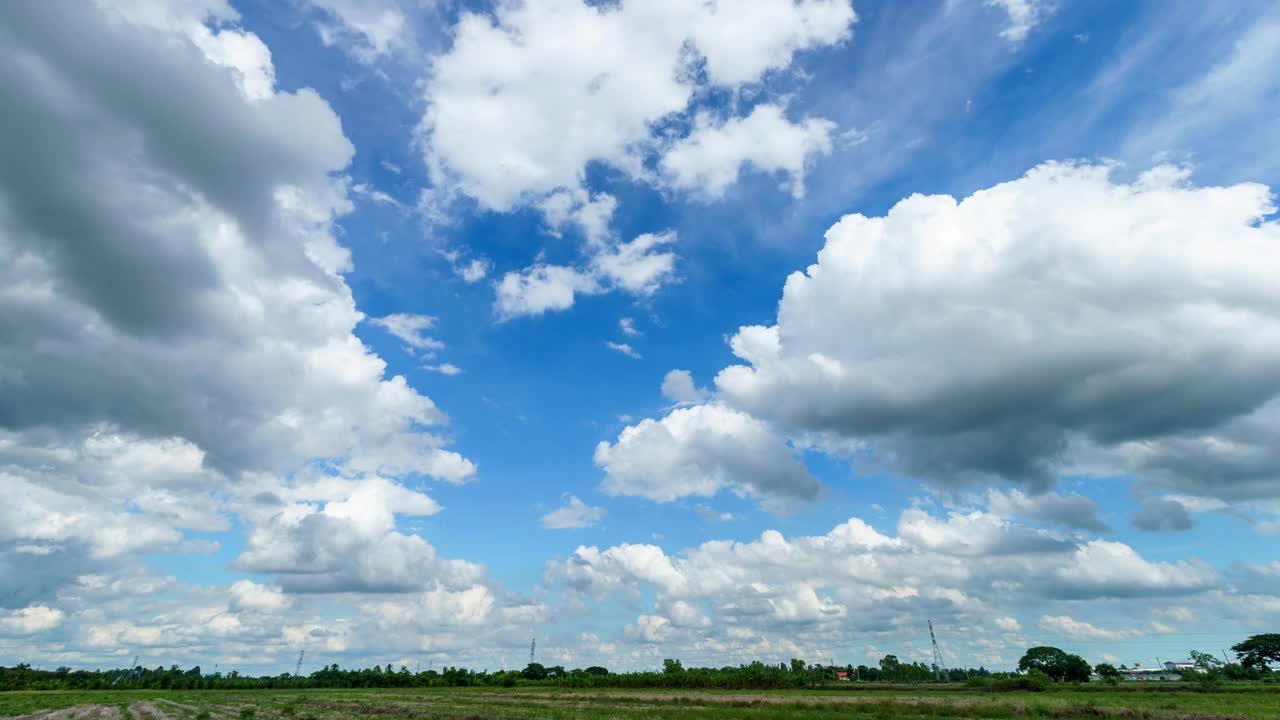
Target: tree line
{"x": 1039, "y": 667}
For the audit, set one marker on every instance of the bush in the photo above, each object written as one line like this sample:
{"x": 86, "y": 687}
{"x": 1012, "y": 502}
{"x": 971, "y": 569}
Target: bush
{"x": 1034, "y": 681}
{"x": 247, "y": 713}
{"x": 979, "y": 682}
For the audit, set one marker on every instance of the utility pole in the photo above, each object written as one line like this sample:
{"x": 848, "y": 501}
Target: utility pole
{"x": 1224, "y": 657}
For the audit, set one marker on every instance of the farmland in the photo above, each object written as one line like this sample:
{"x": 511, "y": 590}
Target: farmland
{"x": 1171, "y": 703}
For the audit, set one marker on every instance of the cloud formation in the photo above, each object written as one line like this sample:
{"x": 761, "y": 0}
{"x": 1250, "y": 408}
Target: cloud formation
{"x": 177, "y": 335}
{"x": 500, "y": 99}
{"x": 700, "y": 450}
{"x": 1057, "y": 320}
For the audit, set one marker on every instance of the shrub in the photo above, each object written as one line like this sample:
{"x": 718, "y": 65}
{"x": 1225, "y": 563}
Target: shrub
{"x": 247, "y": 713}
{"x": 1034, "y": 681}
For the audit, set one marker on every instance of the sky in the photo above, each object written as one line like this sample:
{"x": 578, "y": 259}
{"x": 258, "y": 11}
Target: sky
{"x": 407, "y": 331}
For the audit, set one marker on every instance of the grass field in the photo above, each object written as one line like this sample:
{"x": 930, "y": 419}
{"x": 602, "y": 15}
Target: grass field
{"x": 496, "y": 704}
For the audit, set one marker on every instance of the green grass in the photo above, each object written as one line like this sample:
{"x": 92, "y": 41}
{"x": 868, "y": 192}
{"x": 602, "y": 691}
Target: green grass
{"x": 1174, "y": 702}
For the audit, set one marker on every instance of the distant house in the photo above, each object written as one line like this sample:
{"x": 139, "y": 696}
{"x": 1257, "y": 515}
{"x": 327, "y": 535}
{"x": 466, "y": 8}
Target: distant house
{"x": 1148, "y": 674}
{"x": 1179, "y": 665}
{"x": 842, "y": 676}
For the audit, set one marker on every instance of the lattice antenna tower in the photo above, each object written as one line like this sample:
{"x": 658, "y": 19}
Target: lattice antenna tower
{"x": 533, "y": 645}
{"x": 939, "y": 667}
{"x": 297, "y": 671}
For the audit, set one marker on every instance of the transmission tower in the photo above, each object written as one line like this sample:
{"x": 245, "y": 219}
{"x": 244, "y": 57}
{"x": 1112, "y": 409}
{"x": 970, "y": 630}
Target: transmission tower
{"x": 297, "y": 671}
{"x": 533, "y": 645}
{"x": 939, "y": 667}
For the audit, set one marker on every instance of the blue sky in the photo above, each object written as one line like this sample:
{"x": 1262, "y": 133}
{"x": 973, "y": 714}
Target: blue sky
{"x": 411, "y": 331}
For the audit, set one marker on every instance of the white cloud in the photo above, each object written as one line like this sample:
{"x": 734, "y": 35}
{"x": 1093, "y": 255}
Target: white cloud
{"x": 182, "y": 334}
{"x": 1023, "y": 16}
{"x": 574, "y": 514}
{"x": 474, "y": 271}
{"x": 501, "y": 98}
{"x": 366, "y": 28}
{"x": 444, "y": 369}
{"x": 636, "y": 267}
{"x": 411, "y": 330}
{"x": 623, "y": 348}
{"x": 855, "y": 582}
{"x": 1066, "y": 626}
{"x": 628, "y": 327}
{"x": 710, "y": 159}
{"x": 590, "y": 213}
{"x": 249, "y": 595}
{"x": 334, "y": 535}
{"x": 1075, "y": 315}
{"x": 678, "y": 387}
{"x": 700, "y": 450}
{"x": 1008, "y": 624}
{"x": 30, "y": 620}
{"x": 540, "y": 288}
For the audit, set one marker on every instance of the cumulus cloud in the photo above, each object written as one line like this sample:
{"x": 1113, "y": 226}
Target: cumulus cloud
{"x": 30, "y": 620}
{"x": 1076, "y": 314}
{"x": 574, "y": 514}
{"x": 176, "y": 333}
{"x": 541, "y": 288}
{"x": 1072, "y": 511}
{"x": 1160, "y": 513}
{"x": 1008, "y": 624}
{"x": 710, "y": 158}
{"x": 474, "y": 271}
{"x": 334, "y": 535}
{"x": 855, "y": 580}
{"x": 700, "y": 450}
{"x": 590, "y": 213}
{"x": 496, "y": 129}
{"x": 1066, "y": 626}
{"x": 678, "y": 387}
{"x": 638, "y": 267}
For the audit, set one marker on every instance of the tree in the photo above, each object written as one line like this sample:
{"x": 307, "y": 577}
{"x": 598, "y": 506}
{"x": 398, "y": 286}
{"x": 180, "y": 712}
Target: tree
{"x": 1205, "y": 660}
{"x": 534, "y": 671}
{"x": 1055, "y": 663}
{"x": 672, "y": 667}
{"x": 1258, "y": 651}
{"x": 889, "y": 667}
{"x": 1106, "y": 670}
{"x": 596, "y": 670}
